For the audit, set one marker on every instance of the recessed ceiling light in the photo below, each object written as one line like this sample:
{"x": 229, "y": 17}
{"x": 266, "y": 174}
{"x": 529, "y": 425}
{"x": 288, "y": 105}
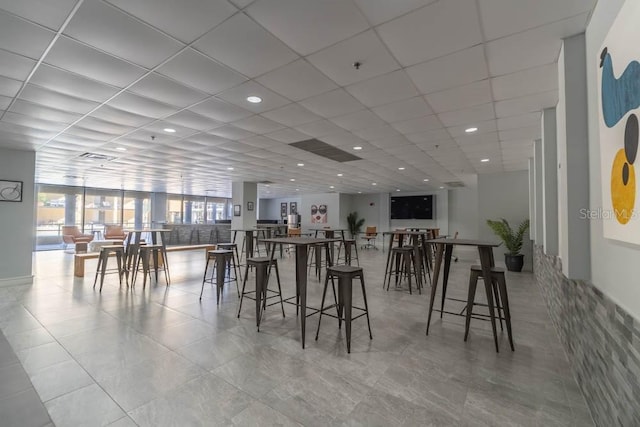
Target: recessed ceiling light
{"x": 331, "y": 186}
{"x": 359, "y": 192}
{"x": 373, "y": 183}
{"x": 169, "y": 130}
{"x": 339, "y": 174}
{"x": 470, "y": 130}
{"x": 121, "y": 149}
{"x": 441, "y": 188}
{"x": 268, "y": 185}
{"x": 397, "y": 189}
{"x": 357, "y": 147}
{"x": 400, "y": 169}
{"x": 484, "y": 160}
{"x": 229, "y": 168}
{"x": 292, "y": 179}
{"x": 300, "y": 164}
{"x": 297, "y": 189}
{"x": 254, "y": 99}
{"x": 426, "y": 180}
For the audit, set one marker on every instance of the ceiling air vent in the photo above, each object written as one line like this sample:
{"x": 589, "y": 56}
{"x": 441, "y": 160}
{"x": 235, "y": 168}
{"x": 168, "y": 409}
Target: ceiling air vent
{"x": 323, "y": 149}
{"x": 265, "y": 182}
{"x": 454, "y": 184}
{"x": 95, "y": 156}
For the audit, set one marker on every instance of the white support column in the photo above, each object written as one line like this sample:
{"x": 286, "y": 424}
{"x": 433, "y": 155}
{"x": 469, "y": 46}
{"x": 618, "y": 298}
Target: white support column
{"x": 243, "y": 193}
{"x": 550, "y": 184}
{"x": 532, "y": 198}
{"x": 539, "y": 184}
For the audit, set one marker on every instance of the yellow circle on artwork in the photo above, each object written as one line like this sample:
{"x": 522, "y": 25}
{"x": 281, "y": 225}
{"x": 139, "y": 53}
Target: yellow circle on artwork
{"x": 623, "y": 195}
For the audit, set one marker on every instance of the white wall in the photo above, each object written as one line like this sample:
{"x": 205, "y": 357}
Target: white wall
{"x": 463, "y": 203}
{"x": 17, "y": 219}
{"x": 504, "y": 195}
{"x": 269, "y": 209}
{"x": 614, "y": 265}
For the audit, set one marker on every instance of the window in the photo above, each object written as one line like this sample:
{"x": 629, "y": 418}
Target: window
{"x": 174, "y": 208}
{"x": 136, "y": 212}
{"x": 102, "y": 207}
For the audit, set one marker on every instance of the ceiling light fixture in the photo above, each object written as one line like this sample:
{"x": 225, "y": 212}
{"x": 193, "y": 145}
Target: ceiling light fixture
{"x": 229, "y": 168}
{"x": 339, "y": 174}
{"x": 300, "y": 164}
{"x": 292, "y": 179}
{"x": 471, "y": 130}
{"x": 400, "y": 169}
{"x": 397, "y": 189}
{"x": 331, "y": 186}
{"x": 373, "y": 183}
{"x": 484, "y": 160}
{"x": 441, "y": 188}
{"x": 121, "y": 149}
{"x": 169, "y": 130}
{"x": 426, "y": 180}
{"x": 254, "y": 99}
{"x": 357, "y": 147}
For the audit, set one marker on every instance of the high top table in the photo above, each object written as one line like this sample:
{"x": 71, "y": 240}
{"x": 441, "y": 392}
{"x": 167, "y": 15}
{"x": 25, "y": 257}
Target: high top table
{"x": 444, "y": 250}
{"x": 248, "y": 240}
{"x": 417, "y": 237}
{"x": 329, "y": 233}
{"x": 302, "y": 250}
{"x": 267, "y": 232}
{"x": 133, "y": 246}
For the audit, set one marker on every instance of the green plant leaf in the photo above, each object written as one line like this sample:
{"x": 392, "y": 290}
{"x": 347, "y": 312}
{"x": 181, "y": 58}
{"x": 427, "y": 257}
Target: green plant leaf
{"x": 512, "y": 239}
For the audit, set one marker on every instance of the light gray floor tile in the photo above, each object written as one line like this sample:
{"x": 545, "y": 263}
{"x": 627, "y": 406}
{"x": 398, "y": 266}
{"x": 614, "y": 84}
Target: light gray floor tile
{"x": 88, "y": 406}
{"x": 61, "y": 378}
{"x": 23, "y": 409}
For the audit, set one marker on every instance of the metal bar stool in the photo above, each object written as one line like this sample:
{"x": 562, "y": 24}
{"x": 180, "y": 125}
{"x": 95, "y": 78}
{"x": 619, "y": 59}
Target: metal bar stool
{"x": 344, "y": 306}
{"x": 315, "y": 258}
{"x": 261, "y": 265}
{"x": 237, "y": 271}
{"x": 404, "y": 266}
{"x": 105, "y": 251}
{"x": 347, "y": 245}
{"x": 221, "y": 258}
{"x": 145, "y": 254}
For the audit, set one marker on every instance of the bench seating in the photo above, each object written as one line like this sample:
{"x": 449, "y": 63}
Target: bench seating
{"x": 79, "y": 259}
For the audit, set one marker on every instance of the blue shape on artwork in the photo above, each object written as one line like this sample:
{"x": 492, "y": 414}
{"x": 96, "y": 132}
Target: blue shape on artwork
{"x": 619, "y": 96}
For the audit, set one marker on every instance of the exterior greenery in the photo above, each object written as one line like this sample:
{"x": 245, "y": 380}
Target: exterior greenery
{"x": 512, "y": 238}
{"x": 355, "y": 224}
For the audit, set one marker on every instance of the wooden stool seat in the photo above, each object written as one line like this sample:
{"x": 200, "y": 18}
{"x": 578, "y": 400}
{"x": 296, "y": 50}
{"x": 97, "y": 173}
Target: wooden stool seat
{"x": 343, "y": 299}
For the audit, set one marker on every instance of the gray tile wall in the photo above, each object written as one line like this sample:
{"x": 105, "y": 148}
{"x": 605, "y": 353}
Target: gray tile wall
{"x": 601, "y": 340}
{"x": 188, "y": 234}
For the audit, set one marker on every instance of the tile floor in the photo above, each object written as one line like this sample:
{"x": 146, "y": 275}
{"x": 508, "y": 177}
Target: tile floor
{"x": 159, "y": 357}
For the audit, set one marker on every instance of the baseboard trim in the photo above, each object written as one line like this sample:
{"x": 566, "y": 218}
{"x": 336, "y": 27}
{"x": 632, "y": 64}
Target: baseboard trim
{"x": 14, "y": 281}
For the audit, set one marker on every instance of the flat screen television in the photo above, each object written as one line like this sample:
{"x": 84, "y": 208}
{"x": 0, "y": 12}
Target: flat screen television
{"x": 412, "y": 207}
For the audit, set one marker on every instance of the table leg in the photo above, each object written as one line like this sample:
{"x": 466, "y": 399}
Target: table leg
{"x": 386, "y": 269}
{"x": 417, "y": 263}
{"x": 486, "y": 256}
{"x": 249, "y": 247}
{"x": 445, "y": 278}
{"x": 301, "y": 286}
{"x": 434, "y": 283}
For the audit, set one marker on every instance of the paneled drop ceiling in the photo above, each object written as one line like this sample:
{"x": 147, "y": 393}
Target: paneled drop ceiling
{"x": 108, "y": 77}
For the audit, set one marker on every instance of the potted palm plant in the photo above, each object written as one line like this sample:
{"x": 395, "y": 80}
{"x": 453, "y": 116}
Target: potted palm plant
{"x": 512, "y": 239}
{"x": 355, "y": 224}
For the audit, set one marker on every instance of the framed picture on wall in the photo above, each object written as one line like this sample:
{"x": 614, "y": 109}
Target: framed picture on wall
{"x": 237, "y": 210}
{"x": 249, "y": 206}
{"x": 10, "y": 191}
{"x": 283, "y": 210}
{"x": 293, "y": 208}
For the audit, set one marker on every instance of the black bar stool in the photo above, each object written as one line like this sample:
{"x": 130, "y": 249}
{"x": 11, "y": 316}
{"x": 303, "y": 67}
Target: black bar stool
{"x": 315, "y": 258}
{"x": 345, "y": 275}
{"x": 145, "y": 254}
{"x": 346, "y": 245}
{"x": 222, "y": 259}
{"x": 498, "y": 293}
{"x": 401, "y": 264}
{"x": 105, "y": 251}
{"x": 236, "y": 260}
{"x": 261, "y": 265}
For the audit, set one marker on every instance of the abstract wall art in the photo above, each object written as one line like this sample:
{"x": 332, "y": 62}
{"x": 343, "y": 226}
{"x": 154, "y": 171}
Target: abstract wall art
{"x": 318, "y": 214}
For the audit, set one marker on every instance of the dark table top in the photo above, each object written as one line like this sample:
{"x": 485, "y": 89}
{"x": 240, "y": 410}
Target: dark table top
{"x": 464, "y": 242}
{"x": 404, "y": 232}
{"x": 299, "y": 241}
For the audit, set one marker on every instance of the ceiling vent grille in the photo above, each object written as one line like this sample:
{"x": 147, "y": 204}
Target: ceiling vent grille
{"x": 454, "y": 184}
{"x": 325, "y": 150}
{"x": 95, "y": 156}
{"x": 265, "y": 182}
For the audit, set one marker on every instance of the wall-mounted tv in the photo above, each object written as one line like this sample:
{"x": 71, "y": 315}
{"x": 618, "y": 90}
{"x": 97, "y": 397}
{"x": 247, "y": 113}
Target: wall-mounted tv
{"x": 412, "y": 207}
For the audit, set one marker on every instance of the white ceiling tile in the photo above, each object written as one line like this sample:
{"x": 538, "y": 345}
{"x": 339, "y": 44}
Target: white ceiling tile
{"x": 73, "y": 56}
{"x": 379, "y": 11}
{"x": 526, "y": 82}
{"x": 231, "y": 132}
{"x": 97, "y": 125}
{"x": 9, "y": 87}
{"x": 115, "y": 115}
{"x": 334, "y": 103}
{"x": 468, "y": 116}
{"x": 140, "y": 105}
{"x": 15, "y": 66}
{"x": 288, "y": 136}
{"x": 158, "y": 128}
{"x": 403, "y": 110}
{"x": 338, "y": 61}
{"x": 50, "y": 13}
{"x": 343, "y": 140}
{"x": 106, "y": 28}
{"x": 186, "y": 20}
{"x": 524, "y": 120}
{"x": 433, "y": 31}
{"x": 460, "y": 97}
{"x": 526, "y": 104}
{"x": 359, "y": 120}
{"x": 457, "y": 69}
{"x": 4, "y": 102}
{"x": 165, "y": 90}
{"x": 374, "y": 133}
{"x": 308, "y": 26}
{"x": 419, "y": 124}
{"x": 258, "y": 125}
{"x": 319, "y": 128}
{"x": 297, "y": 81}
{"x": 531, "y": 132}
{"x": 220, "y": 110}
{"x": 385, "y": 89}
{"x": 504, "y": 18}
{"x": 44, "y": 113}
{"x": 194, "y": 69}
{"x": 531, "y": 48}
{"x": 32, "y": 122}
{"x": 194, "y": 121}
{"x": 245, "y": 46}
{"x": 56, "y": 100}
{"x": 242, "y": 3}
{"x": 485, "y": 126}
{"x": 291, "y": 115}
{"x": 429, "y": 136}
{"x": 477, "y": 139}
{"x": 238, "y": 96}
{"x": 22, "y": 37}
{"x": 72, "y": 84}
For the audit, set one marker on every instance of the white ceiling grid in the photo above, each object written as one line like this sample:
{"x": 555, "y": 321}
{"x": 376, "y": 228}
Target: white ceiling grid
{"x": 103, "y": 76}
